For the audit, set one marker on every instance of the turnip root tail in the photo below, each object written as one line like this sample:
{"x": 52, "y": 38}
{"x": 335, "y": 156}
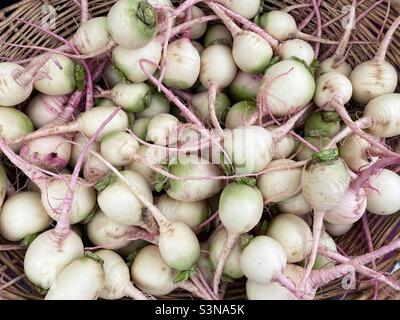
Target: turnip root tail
{"x": 317, "y": 228}
{"x": 380, "y": 56}
{"x": 230, "y": 242}
{"x": 212, "y": 96}
{"x": 134, "y": 293}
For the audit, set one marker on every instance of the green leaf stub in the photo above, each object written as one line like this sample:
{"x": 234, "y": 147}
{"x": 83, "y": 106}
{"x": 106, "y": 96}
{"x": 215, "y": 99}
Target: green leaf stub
{"x": 147, "y": 14}
{"x": 326, "y": 155}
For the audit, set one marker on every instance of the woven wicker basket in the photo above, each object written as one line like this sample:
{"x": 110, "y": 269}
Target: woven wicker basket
{"x": 13, "y": 284}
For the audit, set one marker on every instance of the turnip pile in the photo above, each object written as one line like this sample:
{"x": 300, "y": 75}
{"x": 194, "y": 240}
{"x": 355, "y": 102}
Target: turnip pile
{"x": 185, "y": 146}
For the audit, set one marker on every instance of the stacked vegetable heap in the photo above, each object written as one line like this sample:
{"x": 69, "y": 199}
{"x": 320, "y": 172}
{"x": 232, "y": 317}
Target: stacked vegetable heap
{"x": 191, "y": 145}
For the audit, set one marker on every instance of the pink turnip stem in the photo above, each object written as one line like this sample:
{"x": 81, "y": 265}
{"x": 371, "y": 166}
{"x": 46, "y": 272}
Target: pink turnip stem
{"x": 63, "y": 225}
{"x": 380, "y": 56}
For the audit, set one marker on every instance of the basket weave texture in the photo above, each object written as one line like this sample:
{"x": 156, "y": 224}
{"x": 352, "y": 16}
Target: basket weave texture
{"x": 370, "y": 29}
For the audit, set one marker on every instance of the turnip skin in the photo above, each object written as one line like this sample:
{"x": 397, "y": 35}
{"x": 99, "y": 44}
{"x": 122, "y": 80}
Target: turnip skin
{"x": 21, "y": 215}
{"x": 160, "y": 128}
{"x": 293, "y": 234}
{"x": 232, "y": 266}
{"x": 46, "y": 258}
{"x": 317, "y": 126}
{"x": 150, "y": 272}
{"x": 117, "y": 283}
{"x": 179, "y": 246}
{"x": 277, "y": 186}
{"x": 193, "y": 190}
{"x": 273, "y": 290}
{"x": 327, "y": 66}
{"x": 337, "y": 230}
{"x": 304, "y": 153}
{"x": 182, "y": 65}
{"x": 14, "y": 125}
{"x": 249, "y": 148}
{"x": 61, "y": 82}
{"x": 372, "y": 79}
{"x": 240, "y": 114}
{"x": 43, "y": 109}
{"x": 283, "y": 148}
{"x": 244, "y": 86}
{"x": 296, "y": 48}
{"x": 127, "y": 60}
{"x": 198, "y": 30}
{"x": 92, "y": 36}
{"x": 247, "y": 10}
{"x": 280, "y": 25}
{"x": 217, "y": 33}
{"x": 262, "y": 259}
{"x": 240, "y": 207}
{"x": 82, "y": 279}
{"x": 82, "y": 205}
{"x": 191, "y": 213}
{"x": 384, "y": 201}
{"x": 140, "y": 127}
{"x": 297, "y": 205}
{"x": 353, "y": 150}
{"x": 383, "y": 114}
{"x": 119, "y": 148}
{"x": 159, "y": 104}
{"x": 287, "y": 86}
{"x": 321, "y": 262}
{"x": 132, "y": 23}
{"x": 102, "y": 231}
{"x": 200, "y": 102}
{"x": 50, "y": 153}
{"x": 120, "y": 204}
{"x": 11, "y": 92}
{"x": 153, "y": 156}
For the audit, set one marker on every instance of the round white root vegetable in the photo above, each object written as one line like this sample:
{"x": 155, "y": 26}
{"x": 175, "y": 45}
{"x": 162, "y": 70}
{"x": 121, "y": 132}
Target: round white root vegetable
{"x": 322, "y": 262}
{"x": 117, "y": 283}
{"x": 280, "y": 185}
{"x": 353, "y": 150}
{"x": 232, "y": 266}
{"x": 102, "y": 231}
{"x": 14, "y": 125}
{"x": 249, "y": 44}
{"x": 297, "y": 205}
{"x": 199, "y": 102}
{"x": 82, "y": 279}
{"x": 217, "y": 66}
{"x": 328, "y": 65}
{"x": 132, "y": 97}
{"x": 304, "y": 153}
{"x": 44, "y": 109}
{"x": 191, "y": 213}
{"x": 92, "y": 36}
{"x": 284, "y": 148}
{"x": 240, "y": 114}
{"x": 249, "y": 148}
{"x": 337, "y": 230}
{"x": 119, "y": 148}
{"x": 127, "y": 60}
{"x": 60, "y": 79}
{"x": 193, "y": 190}
{"x": 287, "y": 86}
{"x": 112, "y": 76}
{"x": 140, "y": 127}
{"x": 297, "y": 48}
{"x": 150, "y": 272}
{"x": 383, "y": 198}
{"x": 179, "y": 246}
{"x": 22, "y": 215}
{"x": 262, "y": 260}
{"x": 198, "y": 29}
{"x": 50, "y": 153}
{"x": 244, "y": 86}
{"x": 247, "y": 9}
{"x": 54, "y": 194}
{"x": 332, "y": 85}
{"x": 182, "y": 64}
{"x": 154, "y": 156}
{"x": 240, "y": 209}
{"x": 159, "y": 104}
{"x": 46, "y": 258}
{"x": 218, "y": 34}
{"x": 132, "y": 23}
{"x": 322, "y": 124}
{"x": 273, "y": 290}
{"x": 161, "y": 128}
{"x": 120, "y": 204}
{"x": 293, "y": 234}
{"x": 279, "y": 24}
